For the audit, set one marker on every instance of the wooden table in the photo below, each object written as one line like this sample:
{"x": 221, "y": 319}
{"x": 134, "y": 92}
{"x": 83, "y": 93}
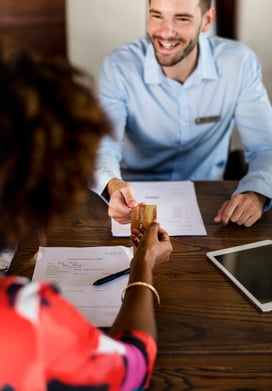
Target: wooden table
{"x": 210, "y": 336}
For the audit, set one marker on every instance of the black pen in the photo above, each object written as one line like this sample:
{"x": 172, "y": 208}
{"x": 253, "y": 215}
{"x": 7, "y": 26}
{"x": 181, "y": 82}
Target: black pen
{"x": 111, "y": 277}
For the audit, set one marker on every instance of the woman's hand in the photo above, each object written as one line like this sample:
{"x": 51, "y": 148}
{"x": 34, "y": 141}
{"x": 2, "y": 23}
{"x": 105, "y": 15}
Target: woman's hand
{"x": 153, "y": 246}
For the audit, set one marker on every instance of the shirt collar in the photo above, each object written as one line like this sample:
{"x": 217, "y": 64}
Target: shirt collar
{"x": 153, "y": 73}
{"x": 206, "y": 65}
{"x": 205, "y": 69}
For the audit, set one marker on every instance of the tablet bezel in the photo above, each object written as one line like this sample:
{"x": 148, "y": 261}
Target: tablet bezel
{"x": 264, "y": 307}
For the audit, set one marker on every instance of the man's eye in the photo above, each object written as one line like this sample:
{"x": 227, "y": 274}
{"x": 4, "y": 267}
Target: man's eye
{"x": 156, "y": 16}
{"x": 183, "y": 20}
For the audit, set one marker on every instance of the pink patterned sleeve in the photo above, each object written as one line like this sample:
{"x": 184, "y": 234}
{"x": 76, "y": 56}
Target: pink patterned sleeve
{"x": 53, "y": 338}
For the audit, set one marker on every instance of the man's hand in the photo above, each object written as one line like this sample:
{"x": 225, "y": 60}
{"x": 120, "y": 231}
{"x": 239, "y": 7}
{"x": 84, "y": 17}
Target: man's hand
{"x": 121, "y": 200}
{"x": 242, "y": 209}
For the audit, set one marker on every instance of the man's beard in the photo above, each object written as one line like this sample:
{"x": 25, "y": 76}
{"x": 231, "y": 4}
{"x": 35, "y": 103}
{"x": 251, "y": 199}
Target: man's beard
{"x": 164, "y": 61}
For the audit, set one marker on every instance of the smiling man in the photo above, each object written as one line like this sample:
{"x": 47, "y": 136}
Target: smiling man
{"x": 173, "y": 98}
{"x": 174, "y": 33}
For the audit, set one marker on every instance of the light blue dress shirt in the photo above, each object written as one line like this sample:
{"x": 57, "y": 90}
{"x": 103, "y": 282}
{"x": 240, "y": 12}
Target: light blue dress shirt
{"x": 165, "y": 130}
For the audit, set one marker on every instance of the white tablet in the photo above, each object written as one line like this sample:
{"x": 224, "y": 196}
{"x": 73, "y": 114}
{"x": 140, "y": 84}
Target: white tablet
{"x": 249, "y": 266}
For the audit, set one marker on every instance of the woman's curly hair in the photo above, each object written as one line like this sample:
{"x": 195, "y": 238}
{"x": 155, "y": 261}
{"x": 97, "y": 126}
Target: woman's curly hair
{"x": 51, "y": 125}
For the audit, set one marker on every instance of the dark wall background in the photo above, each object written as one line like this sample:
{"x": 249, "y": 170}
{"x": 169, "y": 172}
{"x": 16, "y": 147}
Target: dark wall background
{"x": 38, "y": 24}
{"x": 226, "y": 18}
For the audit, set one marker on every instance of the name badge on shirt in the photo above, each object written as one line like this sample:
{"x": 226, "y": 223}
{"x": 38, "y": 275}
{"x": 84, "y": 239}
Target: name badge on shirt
{"x": 205, "y": 120}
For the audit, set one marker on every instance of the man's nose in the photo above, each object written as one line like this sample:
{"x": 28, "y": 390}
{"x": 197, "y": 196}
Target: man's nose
{"x": 168, "y": 29}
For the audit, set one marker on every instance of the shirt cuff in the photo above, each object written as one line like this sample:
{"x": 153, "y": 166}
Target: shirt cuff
{"x": 105, "y": 195}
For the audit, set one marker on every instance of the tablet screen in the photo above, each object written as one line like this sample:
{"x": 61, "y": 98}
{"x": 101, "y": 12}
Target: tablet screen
{"x": 250, "y": 267}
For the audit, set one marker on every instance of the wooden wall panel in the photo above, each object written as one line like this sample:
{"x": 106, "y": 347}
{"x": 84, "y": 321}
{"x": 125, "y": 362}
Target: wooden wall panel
{"x": 38, "y": 24}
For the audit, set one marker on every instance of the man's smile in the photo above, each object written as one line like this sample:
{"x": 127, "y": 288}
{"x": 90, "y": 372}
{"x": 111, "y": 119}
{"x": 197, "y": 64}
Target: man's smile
{"x": 167, "y": 44}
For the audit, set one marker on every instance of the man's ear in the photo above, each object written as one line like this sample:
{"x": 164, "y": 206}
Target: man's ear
{"x": 208, "y": 19}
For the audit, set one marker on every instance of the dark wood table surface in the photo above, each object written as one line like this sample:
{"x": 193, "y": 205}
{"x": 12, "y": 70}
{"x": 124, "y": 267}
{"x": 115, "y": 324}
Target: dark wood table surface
{"x": 211, "y": 337}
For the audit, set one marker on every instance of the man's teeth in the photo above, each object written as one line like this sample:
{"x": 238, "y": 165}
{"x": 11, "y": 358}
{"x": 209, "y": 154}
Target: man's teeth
{"x": 167, "y": 45}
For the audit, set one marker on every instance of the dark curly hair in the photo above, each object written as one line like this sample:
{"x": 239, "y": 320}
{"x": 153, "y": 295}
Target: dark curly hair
{"x": 50, "y": 128}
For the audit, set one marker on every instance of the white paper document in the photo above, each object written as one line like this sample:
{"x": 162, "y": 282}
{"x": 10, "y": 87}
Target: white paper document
{"x": 74, "y": 269}
{"x": 6, "y": 257}
{"x": 177, "y": 208}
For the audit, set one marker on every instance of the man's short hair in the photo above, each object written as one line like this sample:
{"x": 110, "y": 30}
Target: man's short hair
{"x": 204, "y": 5}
